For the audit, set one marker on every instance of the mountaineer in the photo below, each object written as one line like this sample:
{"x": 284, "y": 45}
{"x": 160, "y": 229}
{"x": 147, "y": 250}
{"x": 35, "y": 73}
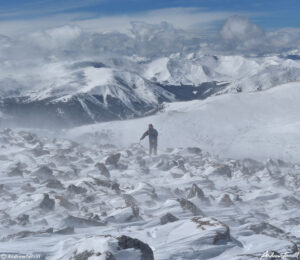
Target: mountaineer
{"x": 153, "y": 134}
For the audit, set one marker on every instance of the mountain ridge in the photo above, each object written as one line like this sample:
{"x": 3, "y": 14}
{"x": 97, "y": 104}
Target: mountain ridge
{"x": 86, "y": 91}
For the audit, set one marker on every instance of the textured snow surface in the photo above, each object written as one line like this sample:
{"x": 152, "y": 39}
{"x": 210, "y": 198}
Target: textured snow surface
{"x": 257, "y": 125}
{"x": 184, "y": 203}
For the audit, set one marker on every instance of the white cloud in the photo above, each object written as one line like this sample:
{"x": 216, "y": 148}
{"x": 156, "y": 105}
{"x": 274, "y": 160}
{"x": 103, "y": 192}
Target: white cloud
{"x": 238, "y": 28}
{"x": 56, "y": 37}
{"x": 19, "y": 27}
{"x": 83, "y": 41}
{"x": 285, "y": 39}
{"x": 183, "y": 18}
{"x": 239, "y": 35}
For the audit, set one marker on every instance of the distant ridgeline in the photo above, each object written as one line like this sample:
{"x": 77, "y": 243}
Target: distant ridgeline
{"x": 63, "y": 95}
{"x": 85, "y": 108}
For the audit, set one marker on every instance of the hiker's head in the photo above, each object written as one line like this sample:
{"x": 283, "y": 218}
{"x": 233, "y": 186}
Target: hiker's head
{"x": 150, "y": 126}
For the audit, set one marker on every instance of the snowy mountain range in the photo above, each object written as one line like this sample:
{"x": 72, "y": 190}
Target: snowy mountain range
{"x": 69, "y": 93}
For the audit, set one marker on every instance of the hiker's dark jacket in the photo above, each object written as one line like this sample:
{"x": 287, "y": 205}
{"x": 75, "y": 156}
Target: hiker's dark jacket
{"x": 152, "y": 133}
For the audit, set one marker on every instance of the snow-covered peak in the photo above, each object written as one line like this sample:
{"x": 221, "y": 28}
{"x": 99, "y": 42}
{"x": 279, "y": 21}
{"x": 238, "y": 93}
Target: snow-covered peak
{"x": 242, "y": 73}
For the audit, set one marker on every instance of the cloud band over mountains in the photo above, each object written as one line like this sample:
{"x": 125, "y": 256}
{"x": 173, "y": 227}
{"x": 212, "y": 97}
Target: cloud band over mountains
{"x": 237, "y": 35}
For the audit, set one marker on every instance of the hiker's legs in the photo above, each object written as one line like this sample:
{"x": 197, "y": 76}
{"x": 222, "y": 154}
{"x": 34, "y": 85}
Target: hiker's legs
{"x": 155, "y": 148}
{"x": 150, "y": 148}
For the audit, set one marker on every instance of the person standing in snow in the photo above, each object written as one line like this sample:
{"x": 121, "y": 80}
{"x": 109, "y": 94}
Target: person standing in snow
{"x": 153, "y": 134}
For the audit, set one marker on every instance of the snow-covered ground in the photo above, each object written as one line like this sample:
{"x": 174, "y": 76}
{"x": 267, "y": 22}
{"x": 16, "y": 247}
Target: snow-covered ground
{"x": 68, "y": 201}
{"x": 257, "y": 125}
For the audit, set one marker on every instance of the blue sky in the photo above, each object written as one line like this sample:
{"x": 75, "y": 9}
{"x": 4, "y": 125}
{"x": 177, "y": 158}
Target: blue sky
{"x": 268, "y": 14}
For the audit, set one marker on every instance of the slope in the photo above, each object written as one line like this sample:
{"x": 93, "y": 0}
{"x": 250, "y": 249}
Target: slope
{"x": 257, "y": 125}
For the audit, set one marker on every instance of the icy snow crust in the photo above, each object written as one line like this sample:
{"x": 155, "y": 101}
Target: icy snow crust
{"x": 183, "y": 203}
{"x": 256, "y": 125}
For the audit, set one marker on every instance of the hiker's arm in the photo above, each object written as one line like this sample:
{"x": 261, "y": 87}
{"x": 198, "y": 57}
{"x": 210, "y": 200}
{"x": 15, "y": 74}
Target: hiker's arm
{"x": 144, "y": 135}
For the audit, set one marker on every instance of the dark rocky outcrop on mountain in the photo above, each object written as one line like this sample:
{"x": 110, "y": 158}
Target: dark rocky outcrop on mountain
{"x": 86, "y": 108}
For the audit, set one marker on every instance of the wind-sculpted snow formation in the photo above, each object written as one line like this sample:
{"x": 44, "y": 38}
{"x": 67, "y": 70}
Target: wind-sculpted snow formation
{"x": 68, "y": 201}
